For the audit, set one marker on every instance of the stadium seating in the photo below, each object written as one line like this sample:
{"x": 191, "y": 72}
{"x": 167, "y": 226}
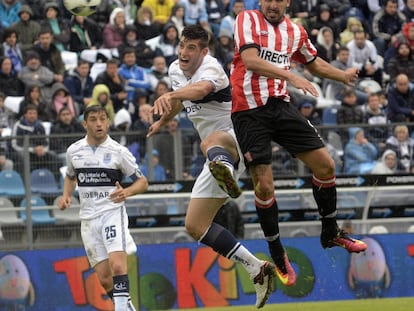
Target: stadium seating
{"x": 11, "y": 184}
{"x": 43, "y": 182}
{"x": 8, "y": 217}
{"x": 40, "y": 215}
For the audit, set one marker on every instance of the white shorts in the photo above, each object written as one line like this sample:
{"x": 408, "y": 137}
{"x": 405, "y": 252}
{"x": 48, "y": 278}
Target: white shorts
{"x": 206, "y": 186}
{"x": 105, "y": 234}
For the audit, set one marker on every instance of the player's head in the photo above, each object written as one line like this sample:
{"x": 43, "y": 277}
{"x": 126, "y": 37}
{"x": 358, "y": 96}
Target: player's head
{"x": 274, "y": 10}
{"x": 96, "y": 123}
{"x": 192, "y": 48}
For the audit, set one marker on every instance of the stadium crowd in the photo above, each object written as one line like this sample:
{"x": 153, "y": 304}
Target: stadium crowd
{"x": 57, "y": 64}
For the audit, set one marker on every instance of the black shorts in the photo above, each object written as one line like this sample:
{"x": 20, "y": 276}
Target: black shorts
{"x": 276, "y": 121}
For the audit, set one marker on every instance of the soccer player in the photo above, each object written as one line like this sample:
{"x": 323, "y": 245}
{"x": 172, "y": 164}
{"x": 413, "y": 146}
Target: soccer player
{"x": 97, "y": 163}
{"x": 201, "y": 86}
{"x": 265, "y": 44}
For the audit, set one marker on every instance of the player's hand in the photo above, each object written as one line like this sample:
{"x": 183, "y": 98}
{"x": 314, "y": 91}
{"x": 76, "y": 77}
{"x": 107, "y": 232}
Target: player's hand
{"x": 119, "y": 194}
{"x": 162, "y": 105}
{"x": 303, "y": 84}
{"x": 351, "y": 76}
{"x": 64, "y": 203}
{"x": 154, "y": 128}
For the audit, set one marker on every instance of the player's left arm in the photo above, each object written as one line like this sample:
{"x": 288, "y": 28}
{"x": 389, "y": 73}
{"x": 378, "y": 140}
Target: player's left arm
{"x": 321, "y": 68}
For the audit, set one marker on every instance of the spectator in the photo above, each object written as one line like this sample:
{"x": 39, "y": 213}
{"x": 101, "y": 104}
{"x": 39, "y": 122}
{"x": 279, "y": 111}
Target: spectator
{"x": 102, "y": 96}
{"x": 103, "y": 11}
{"x": 387, "y": 164}
{"x": 6, "y": 118}
{"x": 161, "y": 8}
{"x": 403, "y": 146}
{"x": 27, "y": 29}
{"x": 158, "y": 170}
{"x": 323, "y": 19}
{"x": 61, "y": 98}
{"x": 58, "y": 26}
{"x": 39, "y": 154}
{"x": 215, "y": 12}
{"x": 10, "y": 85}
{"x": 400, "y": 106}
{"x": 50, "y": 55}
{"x": 386, "y": 24}
{"x": 308, "y": 111}
{"x": 122, "y": 123}
{"x": 177, "y": 17}
{"x": 227, "y": 23}
{"x": 359, "y": 155}
{"x": 84, "y": 34}
{"x": 406, "y": 36}
{"x": 159, "y": 72}
{"x": 167, "y": 43}
{"x": 402, "y": 62}
{"x": 9, "y": 12}
{"x": 129, "y": 7}
{"x": 11, "y": 49}
{"x": 142, "y": 124}
{"x": 113, "y": 31}
{"x": 230, "y": 217}
{"x": 32, "y": 97}
{"x": 408, "y": 10}
{"x": 363, "y": 55}
{"x": 145, "y": 25}
{"x": 338, "y": 89}
{"x": 161, "y": 88}
{"x": 353, "y": 24}
{"x": 80, "y": 85}
{"x": 144, "y": 54}
{"x": 195, "y": 12}
{"x": 116, "y": 84}
{"x": 349, "y": 112}
{"x": 325, "y": 44}
{"x": 66, "y": 125}
{"x": 304, "y": 10}
{"x": 137, "y": 83}
{"x": 224, "y": 50}
{"x": 376, "y": 118}
{"x": 34, "y": 73}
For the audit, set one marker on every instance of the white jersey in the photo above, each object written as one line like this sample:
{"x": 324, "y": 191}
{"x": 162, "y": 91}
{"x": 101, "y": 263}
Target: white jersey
{"x": 96, "y": 170}
{"x": 211, "y": 113}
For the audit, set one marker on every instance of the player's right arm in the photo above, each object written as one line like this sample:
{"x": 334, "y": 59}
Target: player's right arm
{"x": 69, "y": 186}
{"x": 259, "y": 66}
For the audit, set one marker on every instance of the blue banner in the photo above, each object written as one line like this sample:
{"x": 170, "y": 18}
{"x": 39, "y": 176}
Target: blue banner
{"x": 186, "y": 275}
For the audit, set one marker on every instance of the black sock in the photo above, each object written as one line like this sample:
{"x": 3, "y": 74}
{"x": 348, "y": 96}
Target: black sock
{"x": 121, "y": 285}
{"x": 218, "y": 153}
{"x": 220, "y": 240}
{"x": 324, "y": 192}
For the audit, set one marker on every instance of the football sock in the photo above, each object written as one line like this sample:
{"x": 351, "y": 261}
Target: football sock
{"x": 219, "y": 154}
{"x": 268, "y": 213}
{"x": 324, "y": 192}
{"x": 121, "y": 292}
{"x": 225, "y": 244}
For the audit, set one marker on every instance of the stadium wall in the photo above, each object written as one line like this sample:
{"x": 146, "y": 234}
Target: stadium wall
{"x": 187, "y": 275}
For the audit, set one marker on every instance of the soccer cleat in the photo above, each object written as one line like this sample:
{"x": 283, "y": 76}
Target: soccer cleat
{"x": 343, "y": 240}
{"x": 225, "y": 179}
{"x": 263, "y": 283}
{"x": 286, "y": 274}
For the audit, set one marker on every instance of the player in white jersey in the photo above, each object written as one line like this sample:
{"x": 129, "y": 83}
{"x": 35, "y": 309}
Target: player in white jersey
{"x": 97, "y": 164}
{"x": 266, "y": 41}
{"x": 201, "y": 86}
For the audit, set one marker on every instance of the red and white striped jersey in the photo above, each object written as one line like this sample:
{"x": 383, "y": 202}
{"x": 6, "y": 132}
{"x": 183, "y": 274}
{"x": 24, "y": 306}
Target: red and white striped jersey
{"x": 278, "y": 45}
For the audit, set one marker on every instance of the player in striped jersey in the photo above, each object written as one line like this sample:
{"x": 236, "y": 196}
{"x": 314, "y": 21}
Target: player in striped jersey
{"x": 97, "y": 164}
{"x": 202, "y": 88}
{"x": 265, "y": 44}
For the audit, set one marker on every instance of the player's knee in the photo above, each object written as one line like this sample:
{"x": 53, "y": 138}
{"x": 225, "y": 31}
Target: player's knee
{"x": 193, "y": 231}
{"x": 325, "y": 169}
{"x": 118, "y": 268}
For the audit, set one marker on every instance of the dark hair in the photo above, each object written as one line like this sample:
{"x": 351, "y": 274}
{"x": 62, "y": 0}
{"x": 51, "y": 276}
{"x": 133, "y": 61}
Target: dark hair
{"x": 196, "y": 32}
{"x": 112, "y": 61}
{"x": 94, "y": 108}
{"x": 128, "y": 50}
{"x": 64, "y": 108}
{"x": 343, "y": 48}
{"x": 44, "y": 30}
{"x": 29, "y": 107}
{"x": 2, "y": 95}
{"x": 8, "y": 32}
